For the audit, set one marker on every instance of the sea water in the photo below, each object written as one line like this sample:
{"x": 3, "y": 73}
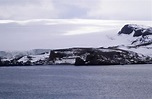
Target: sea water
{"x": 71, "y": 82}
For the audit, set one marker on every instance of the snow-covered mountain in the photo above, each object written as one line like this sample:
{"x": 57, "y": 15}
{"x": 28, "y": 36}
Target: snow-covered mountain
{"x": 131, "y": 45}
{"x": 139, "y": 39}
{"x": 142, "y": 34}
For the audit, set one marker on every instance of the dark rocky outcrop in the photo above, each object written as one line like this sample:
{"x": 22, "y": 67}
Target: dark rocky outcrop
{"x": 138, "y": 33}
{"x": 99, "y": 56}
{"x": 136, "y": 29}
{"x": 79, "y": 61}
{"x": 127, "y": 29}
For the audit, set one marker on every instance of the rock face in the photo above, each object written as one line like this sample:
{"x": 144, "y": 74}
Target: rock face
{"x": 97, "y": 56}
{"x": 137, "y": 30}
{"x": 80, "y": 56}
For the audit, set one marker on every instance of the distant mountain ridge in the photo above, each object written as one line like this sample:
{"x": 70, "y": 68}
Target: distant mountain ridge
{"x": 137, "y": 50}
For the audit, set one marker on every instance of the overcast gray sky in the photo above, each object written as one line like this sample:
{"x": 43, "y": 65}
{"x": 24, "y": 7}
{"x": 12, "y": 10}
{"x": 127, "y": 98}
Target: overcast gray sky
{"x": 94, "y": 9}
{"x": 29, "y": 24}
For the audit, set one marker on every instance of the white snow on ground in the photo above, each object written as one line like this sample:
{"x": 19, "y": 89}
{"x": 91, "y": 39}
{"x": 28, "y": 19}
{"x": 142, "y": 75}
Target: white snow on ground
{"x": 39, "y": 57}
{"x": 109, "y": 50}
{"x": 141, "y": 50}
{"x": 34, "y": 58}
{"x": 124, "y": 39}
{"x": 67, "y": 52}
{"x": 14, "y": 54}
{"x": 23, "y": 59}
{"x": 6, "y": 59}
{"x": 65, "y": 60}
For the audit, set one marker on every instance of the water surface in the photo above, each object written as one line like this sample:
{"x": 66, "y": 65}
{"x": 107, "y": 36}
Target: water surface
{"x": 70, "y": 82}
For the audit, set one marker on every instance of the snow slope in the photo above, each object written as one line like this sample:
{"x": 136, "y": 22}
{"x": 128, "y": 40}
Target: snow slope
{"x": 139, "y": 39}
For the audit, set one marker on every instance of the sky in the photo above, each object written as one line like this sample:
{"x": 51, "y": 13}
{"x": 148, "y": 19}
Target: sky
{"x": 29, "y": 24}
{"x": 65, "y": 9}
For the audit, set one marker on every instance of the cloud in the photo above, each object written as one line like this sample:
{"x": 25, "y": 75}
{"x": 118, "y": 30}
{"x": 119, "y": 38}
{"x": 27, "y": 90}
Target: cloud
{"x": 22, "y": 10}
{"x": 88, "y": 30}
{"x": 79, "y": 9}
{"x": 122, "y": 10}
{"x": 76, "y": 9}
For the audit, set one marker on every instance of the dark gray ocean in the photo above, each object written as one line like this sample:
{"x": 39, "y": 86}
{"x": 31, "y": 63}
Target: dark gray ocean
{"x": 71, "y": 82}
